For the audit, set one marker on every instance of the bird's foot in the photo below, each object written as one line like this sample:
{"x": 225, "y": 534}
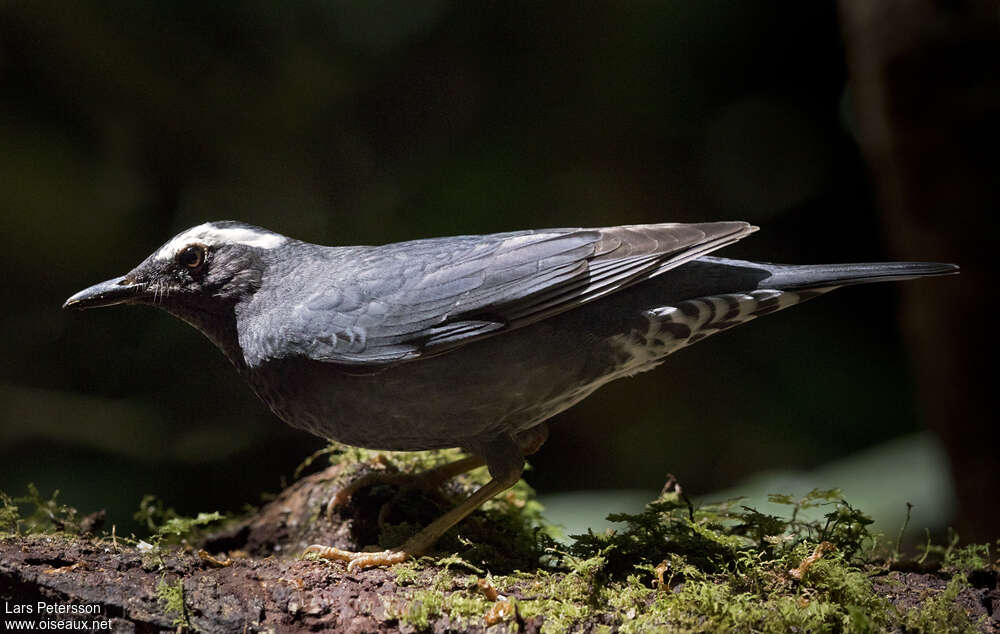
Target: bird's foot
{"x": 422, "y": 542}
{"x": 357, "y": 560}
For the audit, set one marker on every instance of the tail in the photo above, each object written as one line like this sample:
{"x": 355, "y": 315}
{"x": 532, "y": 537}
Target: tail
{"x": 814, "y": 276}
{"x": 770, "y": 288}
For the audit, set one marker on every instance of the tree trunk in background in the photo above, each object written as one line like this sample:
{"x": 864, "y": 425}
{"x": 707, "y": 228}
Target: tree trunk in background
{"x": 925, "y": 84}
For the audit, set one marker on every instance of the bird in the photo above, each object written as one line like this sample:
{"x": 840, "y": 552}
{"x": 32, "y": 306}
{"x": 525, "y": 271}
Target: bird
{"x": 471, "y": 341}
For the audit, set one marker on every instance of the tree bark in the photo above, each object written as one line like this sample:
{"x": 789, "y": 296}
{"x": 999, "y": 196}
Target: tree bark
{"x": 264, "y": 586}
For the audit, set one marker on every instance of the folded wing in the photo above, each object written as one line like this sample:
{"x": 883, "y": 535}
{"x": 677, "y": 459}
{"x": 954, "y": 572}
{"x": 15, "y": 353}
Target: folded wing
{"x": 425, "y": 297}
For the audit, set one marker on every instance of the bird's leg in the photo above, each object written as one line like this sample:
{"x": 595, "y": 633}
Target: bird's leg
{"x": 422, "y": 541}
{"x": 506, "y": 463}
{"x": 430, "y": 479}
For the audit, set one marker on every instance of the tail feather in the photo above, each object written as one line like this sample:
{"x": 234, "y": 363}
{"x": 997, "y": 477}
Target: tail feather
{"x": 832, "y": 275}
{"x": 670, "y": 328}
{"x": 792, "y": 276}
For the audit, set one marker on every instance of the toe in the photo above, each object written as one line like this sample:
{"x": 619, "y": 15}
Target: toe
{"x": 356, "y": 560}
{"x": 384, "y": 558}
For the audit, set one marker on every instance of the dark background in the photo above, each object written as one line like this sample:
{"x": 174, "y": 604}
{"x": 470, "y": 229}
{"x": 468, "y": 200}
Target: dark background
{"x": 123, "y": 123}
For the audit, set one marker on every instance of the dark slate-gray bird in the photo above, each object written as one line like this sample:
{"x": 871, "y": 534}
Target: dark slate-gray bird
{"x": 468, "y": 341}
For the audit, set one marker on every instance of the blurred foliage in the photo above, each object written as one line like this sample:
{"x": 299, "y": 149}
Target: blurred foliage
{"x": 47, "y": 514}
{"x": 346, "y": 122}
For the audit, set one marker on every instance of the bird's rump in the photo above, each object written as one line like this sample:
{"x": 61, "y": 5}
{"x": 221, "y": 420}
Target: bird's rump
{"x": 412, "y": 299}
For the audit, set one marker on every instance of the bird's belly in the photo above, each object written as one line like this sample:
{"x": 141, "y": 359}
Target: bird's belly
{"x": 459, "y": 399}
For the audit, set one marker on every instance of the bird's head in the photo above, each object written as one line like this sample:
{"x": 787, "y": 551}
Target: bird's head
{"x": 197, "y": 275}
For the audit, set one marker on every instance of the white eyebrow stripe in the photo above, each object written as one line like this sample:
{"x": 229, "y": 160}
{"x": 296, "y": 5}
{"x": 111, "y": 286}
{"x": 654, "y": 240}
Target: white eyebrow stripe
{"x": 212, "y": 236}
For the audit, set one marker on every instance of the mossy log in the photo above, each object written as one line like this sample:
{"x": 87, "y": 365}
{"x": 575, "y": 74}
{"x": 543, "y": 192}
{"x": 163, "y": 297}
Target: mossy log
{"x": 250, "y": 577}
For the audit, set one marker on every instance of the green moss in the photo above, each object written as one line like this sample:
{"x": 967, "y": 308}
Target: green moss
{"x": 568, "y": 599}
{"x": 180, "y": 526}
{"x": 942, "y": 613}
{"x": 165, "y": 524}
{"x": 9, "y": 515}
{"x": 425, "y": 606}
{"x": 719, "y": 567}
{"x": 674, "y": 567}
{"x": 167, "y": 528}
{"x": 407, "y": 572}
{"x": 47, "y": 515}
{"x": 447, "y": 595}
{"x": 406, "y": 461}
{"x": 722, "y": 567}
{"x": 172, "y": 597}
{"x": 962, "y": 559}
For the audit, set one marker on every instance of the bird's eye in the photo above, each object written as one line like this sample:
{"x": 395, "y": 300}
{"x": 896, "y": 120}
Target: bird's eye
{"x": 191, "y": 257}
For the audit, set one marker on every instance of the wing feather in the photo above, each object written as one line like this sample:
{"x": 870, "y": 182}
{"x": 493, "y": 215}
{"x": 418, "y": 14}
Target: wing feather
{"x": 413, "y": 299}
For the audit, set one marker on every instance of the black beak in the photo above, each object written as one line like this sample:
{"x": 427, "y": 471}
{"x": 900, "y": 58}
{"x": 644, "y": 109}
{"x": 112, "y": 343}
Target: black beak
{"x": 116, "y": 291}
